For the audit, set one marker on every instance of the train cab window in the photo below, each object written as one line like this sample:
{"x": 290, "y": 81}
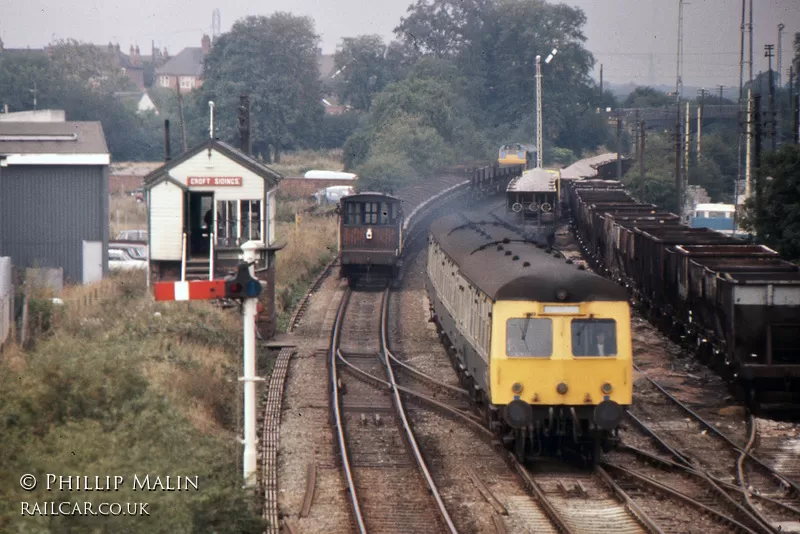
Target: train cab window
{"x": 529, "y": 337}
{"x": 594, "y": 337}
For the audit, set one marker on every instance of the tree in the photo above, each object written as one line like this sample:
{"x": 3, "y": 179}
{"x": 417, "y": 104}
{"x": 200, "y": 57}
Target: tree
{"x": 87, "y": 64}
{"x": 273, "y": 59}
{"x": 778, "y": 223}
{"x": 647, "y": 97}
{"x": 361, "y": 63}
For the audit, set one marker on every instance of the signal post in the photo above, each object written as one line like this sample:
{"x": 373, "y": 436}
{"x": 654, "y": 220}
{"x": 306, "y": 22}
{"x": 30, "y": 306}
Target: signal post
{"x": 245, "y": 287}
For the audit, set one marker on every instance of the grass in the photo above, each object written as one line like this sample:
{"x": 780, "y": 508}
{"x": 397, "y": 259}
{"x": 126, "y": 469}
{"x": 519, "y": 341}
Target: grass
{"x": 297, "y": 163}
{"x": 120, "y": 384}
{"x": 310, "y": 246}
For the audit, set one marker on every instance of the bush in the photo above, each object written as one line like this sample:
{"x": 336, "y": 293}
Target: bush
{"x": 385, "y": 173}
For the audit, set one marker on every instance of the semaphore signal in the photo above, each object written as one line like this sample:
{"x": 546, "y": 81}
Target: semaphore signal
{"x": 245, "y": 287}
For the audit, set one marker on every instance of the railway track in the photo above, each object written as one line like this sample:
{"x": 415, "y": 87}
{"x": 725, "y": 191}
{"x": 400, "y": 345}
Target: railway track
{"x": 765, "y": 500}
{"x": 380, "y": 456}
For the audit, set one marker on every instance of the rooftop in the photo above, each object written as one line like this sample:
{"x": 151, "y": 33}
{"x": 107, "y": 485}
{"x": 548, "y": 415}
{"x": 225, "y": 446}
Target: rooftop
{"x": 188, "y": 62}
{"x": 52, "y": 138}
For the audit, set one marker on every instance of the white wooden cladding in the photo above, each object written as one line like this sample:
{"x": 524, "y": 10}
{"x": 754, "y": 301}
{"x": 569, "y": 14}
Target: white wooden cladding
{"x": 166, "y": 221}
{"x": 217, "y": 165}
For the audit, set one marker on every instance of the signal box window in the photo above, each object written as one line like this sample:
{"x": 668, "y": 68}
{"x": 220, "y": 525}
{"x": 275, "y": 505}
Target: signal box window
{"x": 594, "y": 337}
{"x": 529, "y": 337}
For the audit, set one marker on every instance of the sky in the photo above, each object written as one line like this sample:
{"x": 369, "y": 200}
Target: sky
{"x": 635, "y": 40}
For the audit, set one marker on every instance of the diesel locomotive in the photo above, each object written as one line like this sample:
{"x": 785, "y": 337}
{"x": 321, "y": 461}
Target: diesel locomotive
{"x": 543, "y": 346}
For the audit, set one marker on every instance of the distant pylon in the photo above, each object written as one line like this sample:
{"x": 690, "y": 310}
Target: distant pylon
{"x": 216, "y": 24}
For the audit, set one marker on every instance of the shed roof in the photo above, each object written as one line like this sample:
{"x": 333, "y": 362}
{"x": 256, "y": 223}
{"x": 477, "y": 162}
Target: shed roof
{"x": 270, "y": 176}
{"x": 188, "y": 62}
{"x": 52, "y": 138}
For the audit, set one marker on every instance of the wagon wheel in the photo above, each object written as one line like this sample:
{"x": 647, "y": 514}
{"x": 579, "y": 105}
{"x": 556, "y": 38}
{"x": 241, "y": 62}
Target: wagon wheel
{"x": 547, "y": 208}
{"x": 517, "y": 207}
{"x": 533, "y": 206}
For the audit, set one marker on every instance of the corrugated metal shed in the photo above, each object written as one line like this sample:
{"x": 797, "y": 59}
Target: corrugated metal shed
{"x": 54, "y": 197}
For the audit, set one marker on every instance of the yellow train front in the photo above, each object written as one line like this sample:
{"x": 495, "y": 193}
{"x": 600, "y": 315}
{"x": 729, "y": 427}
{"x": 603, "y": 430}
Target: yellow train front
{"x": 544, "y": 347}
{"x": 516, "y": 154}
{"x": 370, "y": 234}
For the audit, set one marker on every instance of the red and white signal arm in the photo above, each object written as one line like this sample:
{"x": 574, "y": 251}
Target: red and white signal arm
{"x": 194, "y": 290}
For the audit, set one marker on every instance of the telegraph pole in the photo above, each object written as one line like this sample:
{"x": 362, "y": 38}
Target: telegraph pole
{"x": 641, "y": 161}
{"x": 687, "y": 149}
{"x": 678, "y": 83}
{"x": 773, "y": 130}
{"x": 180, "y": 112}
{"x": 750, "y": 31}
{"x": 619, "y": 145}
{"x": 780, "y": 53}
{"x": 757, "y": 151}
{"x": 739, "y": 124}
{"x": 748, "y": 165}
{"x": 720, "y": 87}
{"x": 702, "y": 93}
{"x": 795, "y": 105}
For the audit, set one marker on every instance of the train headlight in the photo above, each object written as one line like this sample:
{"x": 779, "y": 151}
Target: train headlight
{"x": 606, "y": 388}
{"x": 562, "y": 388}
{"x": 516, "y": 388}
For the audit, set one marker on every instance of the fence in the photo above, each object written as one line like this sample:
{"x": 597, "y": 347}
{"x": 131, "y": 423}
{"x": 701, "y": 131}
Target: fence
{"x": 6, "y": 299}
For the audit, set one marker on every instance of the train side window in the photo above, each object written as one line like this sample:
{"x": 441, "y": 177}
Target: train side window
{"x": 526, "y": 336}
{"x": 594, "y": 337}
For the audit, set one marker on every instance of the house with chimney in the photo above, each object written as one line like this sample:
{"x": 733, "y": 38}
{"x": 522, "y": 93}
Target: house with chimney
{"x": 185, "y": 70}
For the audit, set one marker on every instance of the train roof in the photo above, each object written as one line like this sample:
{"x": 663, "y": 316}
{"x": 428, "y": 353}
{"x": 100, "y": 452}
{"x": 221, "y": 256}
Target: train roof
{"x": 534, "y": 180}
{"x": 495, "y": 259}
{"x": 370, "y": 195}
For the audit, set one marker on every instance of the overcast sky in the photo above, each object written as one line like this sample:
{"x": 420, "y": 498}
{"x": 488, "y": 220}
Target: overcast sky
{"x": 635, "y": 40}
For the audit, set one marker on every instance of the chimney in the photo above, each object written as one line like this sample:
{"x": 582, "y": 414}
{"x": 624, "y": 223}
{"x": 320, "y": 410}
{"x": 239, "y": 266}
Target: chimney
{"x": 167, "y": 156}
{"x": 205, "y": 42}
{"x": 130, "y": 52}
{"x": 166, "y": 55}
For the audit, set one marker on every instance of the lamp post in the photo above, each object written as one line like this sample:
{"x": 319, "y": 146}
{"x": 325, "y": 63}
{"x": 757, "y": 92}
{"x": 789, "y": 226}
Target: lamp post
{"x": 539, "y": 104}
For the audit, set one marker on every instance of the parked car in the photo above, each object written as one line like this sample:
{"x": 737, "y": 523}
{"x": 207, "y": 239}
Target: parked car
{"x": 134, "y": 249}
{"x": 132, "y": 235}
{"x": 120, "y": 260}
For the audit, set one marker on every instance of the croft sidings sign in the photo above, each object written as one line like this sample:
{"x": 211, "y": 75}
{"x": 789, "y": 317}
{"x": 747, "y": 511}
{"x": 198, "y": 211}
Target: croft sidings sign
{"x": 214, "y": 181}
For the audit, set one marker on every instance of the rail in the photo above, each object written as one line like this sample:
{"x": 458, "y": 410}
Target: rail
{"x": 402, "y": 413}
{"x": 337, "y": 413}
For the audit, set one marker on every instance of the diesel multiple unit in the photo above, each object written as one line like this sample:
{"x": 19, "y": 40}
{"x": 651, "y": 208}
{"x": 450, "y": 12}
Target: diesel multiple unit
{"x": 544, "y": 346}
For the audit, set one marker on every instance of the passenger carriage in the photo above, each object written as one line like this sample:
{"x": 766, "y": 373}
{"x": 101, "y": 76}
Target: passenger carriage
{"x": 370, "y": 234}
